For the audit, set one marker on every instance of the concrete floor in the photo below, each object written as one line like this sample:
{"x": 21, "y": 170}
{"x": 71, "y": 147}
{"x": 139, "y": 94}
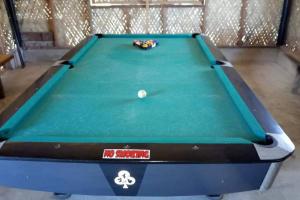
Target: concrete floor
{"x": 267, "y": 71}
{"x": 16, "y": 81}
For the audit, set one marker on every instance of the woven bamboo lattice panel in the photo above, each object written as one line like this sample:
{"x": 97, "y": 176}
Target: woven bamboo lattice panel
{"x": 142, "y": 21}
{"x": 109, "y": 20}
{"x": 226, "y": 22}
{"x": 136, "y": 17}
{"x": 261, "y": 23}
{"x": 110, "y": 3}
{"x": 293, "y": 35}
{"x": 126, "y": 20}
{"x": 72, "y": 22}
{"x": 139, "y": 20}
{"x": 237, "y": 22}
{"x": 33, "y": 15}
{"x": 7, "y": 44}
{"x": 222, "y": 21}
{"x": 183, "y": 20}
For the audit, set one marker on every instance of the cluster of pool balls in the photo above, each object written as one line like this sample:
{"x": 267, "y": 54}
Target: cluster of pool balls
{"x": 148, "y": 44}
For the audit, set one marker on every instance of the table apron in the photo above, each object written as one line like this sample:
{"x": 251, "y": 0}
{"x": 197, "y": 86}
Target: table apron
{"x": 149, "y": 179}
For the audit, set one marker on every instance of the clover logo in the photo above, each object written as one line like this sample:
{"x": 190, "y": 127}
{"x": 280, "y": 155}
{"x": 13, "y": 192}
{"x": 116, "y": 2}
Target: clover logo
{"x": 124, "y": 179}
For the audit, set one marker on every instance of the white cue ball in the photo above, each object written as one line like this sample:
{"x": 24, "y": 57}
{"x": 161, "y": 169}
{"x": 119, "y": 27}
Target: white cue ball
{"x": 142, "y": 94}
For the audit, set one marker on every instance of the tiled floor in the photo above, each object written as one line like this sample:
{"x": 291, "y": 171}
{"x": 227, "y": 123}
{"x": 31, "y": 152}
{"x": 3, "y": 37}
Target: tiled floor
{"x": 272, "y": 80}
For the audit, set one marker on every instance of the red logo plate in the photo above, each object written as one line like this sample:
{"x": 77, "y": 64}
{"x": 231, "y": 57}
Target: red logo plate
{"x": 126, "y": 154}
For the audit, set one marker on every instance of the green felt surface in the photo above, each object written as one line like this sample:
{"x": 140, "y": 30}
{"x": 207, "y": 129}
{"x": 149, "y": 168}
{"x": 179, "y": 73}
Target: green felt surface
{"x": 96, "y": 101}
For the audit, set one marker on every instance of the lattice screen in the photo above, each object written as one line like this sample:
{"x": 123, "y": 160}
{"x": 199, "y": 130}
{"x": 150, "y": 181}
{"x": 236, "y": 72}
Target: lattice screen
{"x": 102, "y": 3}
{"x": 183, "y": 20}
{"x": 262, "y": 22}
{"x": 109, "y": 20}
{"x": 138, "y": 20}
{"x": 33, "y": 15}
{"x": 227, "y": 22}
{"x": 72, "y": 23}
{"x": 222, "y": 22}
{"x": 6, "y": 39}
{"x": 293, "y": 36}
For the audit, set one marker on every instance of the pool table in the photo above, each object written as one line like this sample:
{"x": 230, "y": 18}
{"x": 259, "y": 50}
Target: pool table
{"x": 81, "y": 128}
